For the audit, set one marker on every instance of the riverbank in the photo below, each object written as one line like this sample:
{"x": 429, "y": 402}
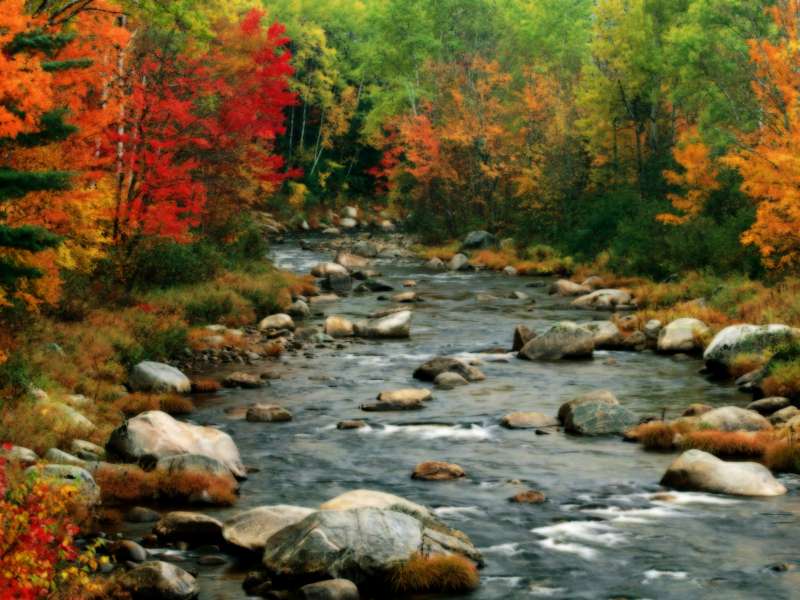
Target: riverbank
{"x": 471, "y": 315}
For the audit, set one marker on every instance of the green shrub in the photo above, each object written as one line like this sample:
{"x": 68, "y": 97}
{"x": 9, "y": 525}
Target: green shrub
{"x": 160, "y": 262}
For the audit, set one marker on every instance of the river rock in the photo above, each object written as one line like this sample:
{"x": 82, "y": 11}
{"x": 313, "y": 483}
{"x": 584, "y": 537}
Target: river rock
{"x": 351, "y": 261}
{"x": 127, "y": 550}
{"x": 652, "y": 329}
{"x": 696, "y": 409}
{"x": 149, "y": 376}
{"x": 323, "y": 299}
{"x": 527, "y": 420}
{"x": 562, "y": 340}
{"x": 328, "y": 268}
{"x": 348, "y": 424}
{"x": 277, "y": 321}
{"x": 595, "y": 413}
{"x": 510, "y": 271}
{"x": 733, "y": 418}
{"x": 700, "y": 471}
{"x": 458, "y": 263}
{"x": 387, "y": 226}
{"x": 87, "y": 450}
{"x": 337, "y": 327}
{"x": 682, "y": 335}
{"x": 605, "y": 300}
{"x": 252, "y": 528}
{"x": 267, "y": 413}
{"x": 192, "y": 527}
{"x": 142, "y": 514}
{"x": 72, "y": 475}
{"x": 362, "y": 544}
{"x": 565, "y": 287}
{"x": 348, "y": 223}
{"x": 59, "y": 457}
{"x": 350, "y": 212}
{"x": 332, "y": 589}
{"x": 374, "y": 285}
{"x": 436, "y": 264}
{"x": 739, "y": 339}
{"x": 528, "y": 497}
{"x": 155, "y": 433}
{"x": 783, "y": 415}
{"x": 767, "y": 406}
{"x": 299, "y": 309}
{"x": 478, "y": 240}
{"x": 19, "y": 454}
{"x": 393, "y": 405}
{"x": 180, "y": 464}
{"x": 405, "y": 297}
{"x": 522, "y": 335}
{"x": 396, "y": 325}
{"x": 433, "y": 367}
{"x": 606, "y": 335}
{"x": 593, "y": 282}
{"x": 365, "y": 249}
{"x": 436, "y": 470}
{"x": 242, "y": 380}
{"x": 408, "y": 394}
{"x": 332, "y": 231}
{"x": 159, "y": 580}
{"x": 376, "y": 499}
{"x": 449, "y": 380}
{"x": 337, "y": 283}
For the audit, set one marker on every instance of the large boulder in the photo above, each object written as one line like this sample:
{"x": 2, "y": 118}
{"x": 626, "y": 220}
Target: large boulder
{"x": 682, "y": 335}
{"x": 156, "y": 434}
{"x": 459, "y": 262}
{"x": 252, "y": 528}
{"x": 741, "y": 339}
{"x": 696, "y": 470}
{"x": 395, "y": 325}
{"x": 331, "y": 589}
{"x": 181, "y": 464}
{"x": 375, "y": 499}
{"x": 429, "y": 370}
{"x": 149, "y": 376}
{"x": 606, "y": 299}
{"x": 477, "y": 240}
{"x": 562, "y": 340}
{"x": 328, "y": 268}
{"x": 159, "y": 580}
{"x": 595, "y": 413}
{"x": 733, "y": 418}
{"x": 565, "y": 287}
{"x": 363, "y": 545}
{"x": 768, "y": 406}
{"x": 522, "y": 335}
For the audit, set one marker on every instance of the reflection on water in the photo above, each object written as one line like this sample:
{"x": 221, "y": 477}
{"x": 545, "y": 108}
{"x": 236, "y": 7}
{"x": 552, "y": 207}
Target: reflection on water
{"x": 602, "y": 533}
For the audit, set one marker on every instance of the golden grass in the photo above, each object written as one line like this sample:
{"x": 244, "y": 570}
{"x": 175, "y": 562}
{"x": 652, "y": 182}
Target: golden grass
{"x": 783, "y": 380}
{"x": 444, "y": 252}
{"x": 435, "y": 574}
{"x": 129, "y": 483}
{"x": 139, "y": 402}
{"x": 534, "y": 261}
{"x": 658, "y": 435}
{"x": 729, "y": 444}
{"x": 205, "y": 386}
{"x": 746, "y": 363}
{"x": 782, "y": 456}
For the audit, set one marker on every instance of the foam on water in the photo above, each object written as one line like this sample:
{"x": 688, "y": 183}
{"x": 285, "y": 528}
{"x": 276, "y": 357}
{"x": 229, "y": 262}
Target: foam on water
{"x": 544, "y": 592}
{"x": 583, "y": 551}
{"x": 461, "y": 513}
{"x": 653, "y": 574}
{"x": 597, "y": 532}
{"x": 509, "y": 549}
{"x": 434, "y": 432}
{"x": 509, "y": 581}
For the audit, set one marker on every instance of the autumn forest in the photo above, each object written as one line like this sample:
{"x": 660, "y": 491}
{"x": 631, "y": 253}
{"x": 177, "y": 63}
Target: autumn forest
{"x": 152, "y": 153}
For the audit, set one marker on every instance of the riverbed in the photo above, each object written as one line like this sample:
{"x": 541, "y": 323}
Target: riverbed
{"x": 606, "y": 530}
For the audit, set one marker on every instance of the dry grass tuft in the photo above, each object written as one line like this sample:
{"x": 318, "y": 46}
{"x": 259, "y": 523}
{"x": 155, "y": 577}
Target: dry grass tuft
{"x": 745, "y": 363}
{"x": 435, "y": 574}
{"x": 125, "y": 484}
{"x": 729, "y": 444}
{"x": 658, "y": 435}
{"x": 139, "y": 402}
{"x": 206, "y": 386}
{"x": 783, "y": 380}
{"x": 782, "y": 456}
{"x": 445, "y": 252}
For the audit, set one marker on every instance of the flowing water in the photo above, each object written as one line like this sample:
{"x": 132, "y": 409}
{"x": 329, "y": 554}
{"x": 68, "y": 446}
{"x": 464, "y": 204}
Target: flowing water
{"x": 604, "y": 531}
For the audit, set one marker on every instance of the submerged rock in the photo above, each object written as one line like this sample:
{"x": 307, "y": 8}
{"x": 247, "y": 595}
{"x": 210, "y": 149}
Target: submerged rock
{"x": 700, "y": 471}
{"x": 436, "y": 470}
{"x": 252, "y": 528}
{"x": 159, "y": 580}
{"x": 528, "y": 497}
{"x": 246, "y": 381}
{"x": 351, "y": 424}
{"x": 267, "y": 413}
{"x": 449, "y": 380}
{"x": 156, "y": 434}
{"x": 595, "y": 413}
{"x": 562, "y": 340}
{"x": 433, "y": 367}
{"x": 149, "y": 376}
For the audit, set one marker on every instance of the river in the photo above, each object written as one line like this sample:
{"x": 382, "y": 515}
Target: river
{"x": 604, "y": 531}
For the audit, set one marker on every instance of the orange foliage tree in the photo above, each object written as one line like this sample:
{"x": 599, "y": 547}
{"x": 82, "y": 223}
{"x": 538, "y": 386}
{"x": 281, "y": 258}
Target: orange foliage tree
{"x": 769, "y": 158}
